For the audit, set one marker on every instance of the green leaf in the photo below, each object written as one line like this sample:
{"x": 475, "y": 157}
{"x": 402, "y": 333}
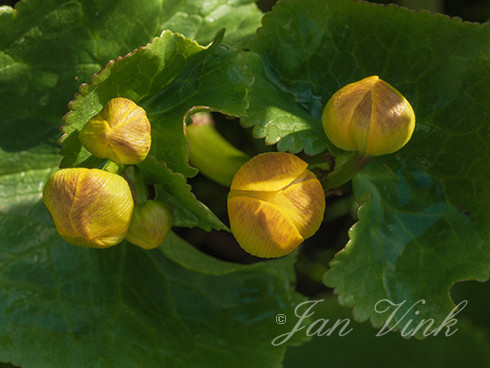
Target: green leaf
{"x": 409, "y": 245}
{"x": 200, "y": 19}
{"x": 173, "y": 189}
{"x": 127, "y": 307}
{"x": 188, "y": 256}
{"x": 423, "y": 224}
{"x": 275, "y": 115}
{"x": 29, "y": 169}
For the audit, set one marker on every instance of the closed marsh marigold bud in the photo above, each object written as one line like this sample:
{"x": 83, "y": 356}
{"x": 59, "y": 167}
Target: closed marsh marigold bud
{"x": 120, "y": 132}
{"x": 150, "y": 225}
{"x": 89, "y": 207}
{"x": 274, "y": 204}
{"x": 368, "y": 116}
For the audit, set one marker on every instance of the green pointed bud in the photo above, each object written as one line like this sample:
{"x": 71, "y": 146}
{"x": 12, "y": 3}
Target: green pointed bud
{"x": 370, "y": 117}
{"x": 89, "y": 207}
{"x": 120, "y": 132}
{"x": 150, "y": 225}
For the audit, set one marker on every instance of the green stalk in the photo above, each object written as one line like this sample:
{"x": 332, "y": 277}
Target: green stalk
{"x": 137, "y": 184}
{"x": 345, "y": 172}
{"x": 112, "y": 167}
{"x": 213, "y": 155}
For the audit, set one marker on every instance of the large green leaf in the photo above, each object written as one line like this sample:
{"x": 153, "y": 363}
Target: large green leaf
{"x": 424, "y": 222}
{"x": 128, "y": 307}
{"x": 424, "y": 246}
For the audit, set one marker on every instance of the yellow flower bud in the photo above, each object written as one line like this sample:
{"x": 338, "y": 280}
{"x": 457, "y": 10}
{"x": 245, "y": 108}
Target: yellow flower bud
{"x": 120, "y": 132}
{"x": 150, "y": 225}
{"x": 89, "y": 207}
{"x": 369, "y": 116}
{"x": 274, "y": 204}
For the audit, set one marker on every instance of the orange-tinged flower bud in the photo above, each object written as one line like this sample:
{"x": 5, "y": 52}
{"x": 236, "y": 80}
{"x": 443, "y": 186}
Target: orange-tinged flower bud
{"x": 89, "y": 207}
{"x": 274, "y": 204}
{"x": 369, "y": 116}
{"x": 150, "y": 225}
{"x": 120, "y": 132}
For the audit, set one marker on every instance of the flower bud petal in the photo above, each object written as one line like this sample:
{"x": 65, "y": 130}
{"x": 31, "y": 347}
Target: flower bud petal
{"x": 120, "y": 132}
{"x": 274, "y": 204}
{"x": 150, "y": 225}
{"x": 369, "y": 116}
{"x": 267, "y": 174}
{"x": 89, "y": 207}
{"x": 261, "y": 228}
{"x": 302, "y": 201}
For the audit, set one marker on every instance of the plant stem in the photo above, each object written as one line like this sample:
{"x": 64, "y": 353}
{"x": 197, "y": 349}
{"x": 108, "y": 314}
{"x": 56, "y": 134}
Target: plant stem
{"x": 111, "y": 166}
{"x": 345, "y": 172}
{"x": 140, "y": 187}
{"x": 137, "y": 184}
